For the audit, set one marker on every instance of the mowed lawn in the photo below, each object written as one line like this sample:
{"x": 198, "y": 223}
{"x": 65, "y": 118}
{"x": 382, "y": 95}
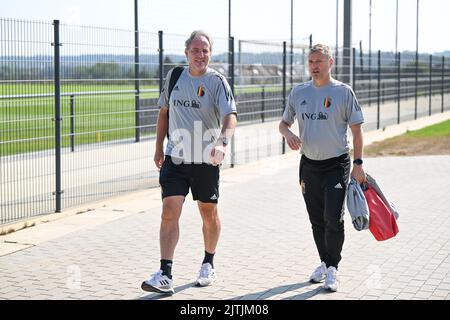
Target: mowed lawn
{"x": 102, "y": 112}
{"x": 27, "y": 123}
{"x": 438, "y": 130}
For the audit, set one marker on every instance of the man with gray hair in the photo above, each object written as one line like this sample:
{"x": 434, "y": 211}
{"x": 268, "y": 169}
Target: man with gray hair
{"x": 325, "y": 108}
{"x": 192, "y": 108}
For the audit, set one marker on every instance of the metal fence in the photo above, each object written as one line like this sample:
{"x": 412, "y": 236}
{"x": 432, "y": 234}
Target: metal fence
{"x": 78, "y": 105}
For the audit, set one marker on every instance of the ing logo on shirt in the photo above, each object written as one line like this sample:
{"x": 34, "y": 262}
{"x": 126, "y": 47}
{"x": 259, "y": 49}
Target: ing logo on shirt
{"x": 327, "y": 102}
{"x": 201, "y": 91}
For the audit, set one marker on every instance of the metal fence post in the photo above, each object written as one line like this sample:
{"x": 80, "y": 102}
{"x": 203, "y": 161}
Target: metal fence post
{"x": 347, "y": 41}
{"x": 283, "y": 140}
{"x": 231, "y": 75}
{"x": 398, "y": 86}
{"x": 72, "y": 124}
{"x": 442, "y": 85}
{"x": 161, "y": 61}
{"x": 379, "y": 89}
{"x": 429, "y": 85}
{"x": 370, "y": 78}
{"x": 263, "y": 105}
{"x": 354, "y": 69}
{"x": 56, "y": 44}
{"x": 416, "y": 88}
{"x": 361, "y": 60}
{"x": 137, "y": 106}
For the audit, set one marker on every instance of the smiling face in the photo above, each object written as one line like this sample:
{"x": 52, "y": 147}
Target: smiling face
{"x": 198, "y": 55}
{"x": 320, "y": 67}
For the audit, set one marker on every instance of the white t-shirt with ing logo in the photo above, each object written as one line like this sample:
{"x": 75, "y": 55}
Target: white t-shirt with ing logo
{"x": 324, "y": 115}
{"x": 197, "y": 107}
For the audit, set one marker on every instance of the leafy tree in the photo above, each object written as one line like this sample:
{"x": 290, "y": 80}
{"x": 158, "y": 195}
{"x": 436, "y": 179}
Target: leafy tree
{"x": 105, "y": 70}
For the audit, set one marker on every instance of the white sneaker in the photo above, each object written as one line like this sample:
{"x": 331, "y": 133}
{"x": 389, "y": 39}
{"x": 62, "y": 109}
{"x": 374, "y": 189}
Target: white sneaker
{"x": 319, "y": 274}
{"x": 206, "y": 276}
{"x": 332, "y": 280}
{"x": 158, "y": 283}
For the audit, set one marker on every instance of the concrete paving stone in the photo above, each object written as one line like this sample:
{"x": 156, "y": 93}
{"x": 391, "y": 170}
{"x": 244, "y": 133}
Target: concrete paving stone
{"x": 369, "y": 297}
{"x": 401, "y": 281}
{"x": 374, "y": 292}
{"x": 444, "y": 286}
{"x": 387, "y": 297}
{"x": 410, "y": 289}
{"x": 446, "y": 279}
{"x": 421, "y": 277}
{"x": 23, "y": 297}
{"x": 301, "y": 297}
{"x": 416, "y": 283}
{"x": 445, "y": 267}
{"x": 255, "y": 296}
{"x": 8, "y": 288}
{"x": 405, "y": 296}
{"x": 357, "y": 294}
{"x": 437, "y": 276}
{"x": 423, "y": 295}
{"x": 427, "y": 288}
{"x": 440, "y": 293}
{"x": 325, "y": 295}
{"x": 12, "y": 295}
{"x": 432, "y": 282}
{"x": 113, "y": 296}
{"x": 432, "y": 269}
{"x": 79, "y": 295}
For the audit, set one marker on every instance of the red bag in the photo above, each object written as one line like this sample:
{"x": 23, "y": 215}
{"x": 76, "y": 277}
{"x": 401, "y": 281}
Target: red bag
{"x": 382, "y": 222}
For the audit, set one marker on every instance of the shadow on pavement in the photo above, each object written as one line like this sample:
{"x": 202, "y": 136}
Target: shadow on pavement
{"x": 160, "y": 296}
{"x": 262, "y": 295}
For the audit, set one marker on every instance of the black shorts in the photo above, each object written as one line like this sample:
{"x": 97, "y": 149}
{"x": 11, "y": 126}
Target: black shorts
{"x": 203, "y": 179}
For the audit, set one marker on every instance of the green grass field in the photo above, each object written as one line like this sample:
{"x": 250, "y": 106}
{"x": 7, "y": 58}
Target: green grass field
{"x": 25, "y": 88}
{"x": 438, "y": 130}
{"x": 26, "y": 124}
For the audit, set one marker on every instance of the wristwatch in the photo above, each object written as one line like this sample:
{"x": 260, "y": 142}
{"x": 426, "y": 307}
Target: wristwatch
{"x": 358, "y": 162}
{"x": 224, "y": 141}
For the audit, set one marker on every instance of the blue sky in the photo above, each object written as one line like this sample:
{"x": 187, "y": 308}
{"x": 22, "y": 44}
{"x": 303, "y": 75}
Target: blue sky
{"x": 255, "y": 19}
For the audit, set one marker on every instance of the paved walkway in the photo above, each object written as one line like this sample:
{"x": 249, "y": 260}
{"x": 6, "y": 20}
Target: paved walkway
{"x": 266, "y": 250}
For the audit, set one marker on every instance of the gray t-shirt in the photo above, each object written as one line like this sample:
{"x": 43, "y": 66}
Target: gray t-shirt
{"x": 324, "y": 114}
{"x": 196, "y": 109}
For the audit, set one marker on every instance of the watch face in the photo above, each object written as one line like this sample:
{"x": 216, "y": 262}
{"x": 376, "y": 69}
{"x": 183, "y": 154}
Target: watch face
{"x": 358, "y": 161}
{"x": 224, "y": 141}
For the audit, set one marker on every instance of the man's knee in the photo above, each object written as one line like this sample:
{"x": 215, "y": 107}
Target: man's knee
{"x": 208, "y": 211}
{"x": 172, "y": 207}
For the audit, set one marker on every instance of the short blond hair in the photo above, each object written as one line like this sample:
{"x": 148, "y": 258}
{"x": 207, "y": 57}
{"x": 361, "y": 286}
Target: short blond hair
{"x": 324, "y": 49}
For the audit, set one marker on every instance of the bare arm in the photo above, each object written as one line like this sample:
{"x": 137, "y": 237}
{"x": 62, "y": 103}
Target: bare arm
{"x": 358, "y": 145}
{"x": 162, "y": 126}
{"x": 228, "y": 127}
{"x": 292, "y": 140}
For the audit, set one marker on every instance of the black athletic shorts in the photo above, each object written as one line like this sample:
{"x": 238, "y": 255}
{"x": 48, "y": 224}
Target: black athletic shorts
{"x": 203, "y": 179}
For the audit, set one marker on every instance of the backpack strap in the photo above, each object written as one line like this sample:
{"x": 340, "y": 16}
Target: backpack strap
{"x": 176, "y": 73}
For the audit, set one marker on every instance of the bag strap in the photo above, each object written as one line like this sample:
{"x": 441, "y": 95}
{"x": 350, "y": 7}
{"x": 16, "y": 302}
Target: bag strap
{"x": 176, "y": 73}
